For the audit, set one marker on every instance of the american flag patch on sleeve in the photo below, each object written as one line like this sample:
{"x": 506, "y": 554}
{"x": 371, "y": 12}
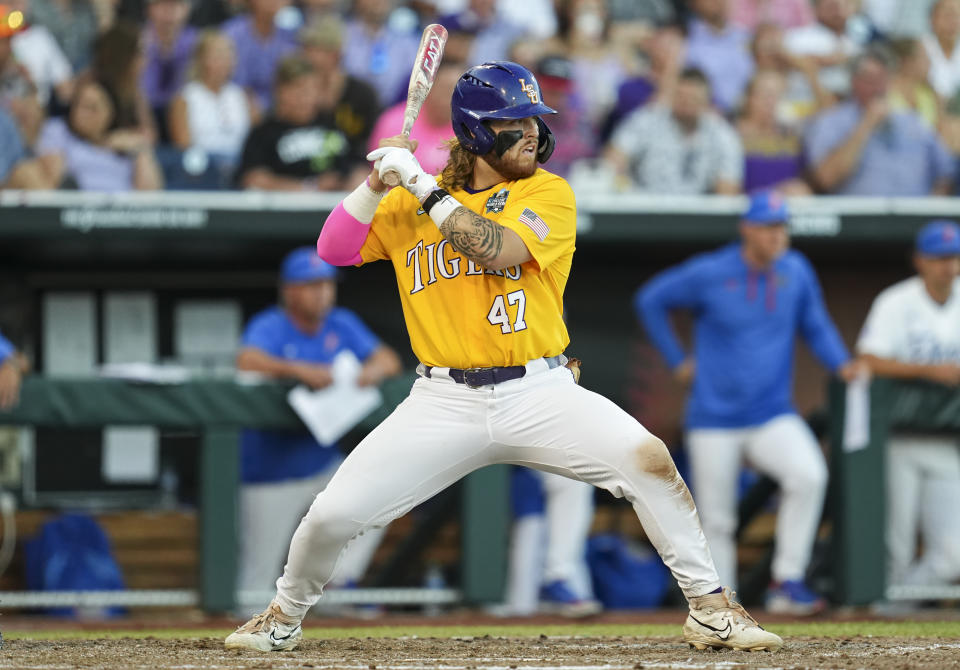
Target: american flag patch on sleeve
{"x": 535, "y": 223}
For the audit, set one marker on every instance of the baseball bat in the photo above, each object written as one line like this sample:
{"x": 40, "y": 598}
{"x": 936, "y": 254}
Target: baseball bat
{"x": 424, "y": 71}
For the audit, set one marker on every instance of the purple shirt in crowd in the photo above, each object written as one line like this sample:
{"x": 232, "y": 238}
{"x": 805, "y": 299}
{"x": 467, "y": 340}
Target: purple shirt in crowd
{"x": 762, "y": 171}
{"x": 92, "y": 167}
{"x": 165, "y": 73}
{"x": 903, "y": 157}
{"x": 257, "y": 58}
{"x": 770, "y": 160}
{"x": 724, "y": 57}
{"x": 382, "y": 60}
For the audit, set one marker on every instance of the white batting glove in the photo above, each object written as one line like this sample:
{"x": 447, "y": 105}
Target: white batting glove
{"x": 404, "y": 163}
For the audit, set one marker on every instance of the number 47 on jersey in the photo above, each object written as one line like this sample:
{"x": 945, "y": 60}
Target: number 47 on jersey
{"x": 499, "y": 314}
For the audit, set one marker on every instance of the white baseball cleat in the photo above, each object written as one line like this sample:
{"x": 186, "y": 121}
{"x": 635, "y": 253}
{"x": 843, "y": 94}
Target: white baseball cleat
{"x": 271, "y": 630}
{"x": 717, "y": 620}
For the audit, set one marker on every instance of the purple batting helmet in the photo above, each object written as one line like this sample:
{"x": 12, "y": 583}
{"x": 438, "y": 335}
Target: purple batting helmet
{"x": 498, "y": 90}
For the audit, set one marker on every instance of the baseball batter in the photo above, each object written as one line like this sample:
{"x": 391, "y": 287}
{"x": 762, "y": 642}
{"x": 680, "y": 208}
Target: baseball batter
{"x": 750, "y": 300}
{"x": 913, "y": 332}
{"x": 481, "y": 264}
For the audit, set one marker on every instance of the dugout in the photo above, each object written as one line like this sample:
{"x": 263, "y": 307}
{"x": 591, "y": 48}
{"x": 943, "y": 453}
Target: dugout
{"x": 222, "y": 249}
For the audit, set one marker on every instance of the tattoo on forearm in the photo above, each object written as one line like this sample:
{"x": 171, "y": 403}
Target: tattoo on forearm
{"x": 475, "y": 237}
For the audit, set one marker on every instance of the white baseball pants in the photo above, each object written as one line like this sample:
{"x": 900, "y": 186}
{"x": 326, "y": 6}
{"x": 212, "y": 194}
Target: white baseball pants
{"x": 551, "y": 546}
{"x": 923, "y": 492}
{"x": 443, "y": 430}
{"x": 784, "y": 449}
{"x": 269, "y": 514}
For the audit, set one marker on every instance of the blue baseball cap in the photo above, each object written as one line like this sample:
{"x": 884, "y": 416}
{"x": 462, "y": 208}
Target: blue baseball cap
{"x": 303, "y": 265}
{"x": 939, "y": 238}
{"x": 766, "y": 208}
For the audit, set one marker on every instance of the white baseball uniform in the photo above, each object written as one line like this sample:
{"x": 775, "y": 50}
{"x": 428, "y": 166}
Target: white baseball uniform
{"x": 551, "y": 546}
{"x": 923, "y": 472}
{"x": 784, "y": 449}
{"x": 493, "y": 389}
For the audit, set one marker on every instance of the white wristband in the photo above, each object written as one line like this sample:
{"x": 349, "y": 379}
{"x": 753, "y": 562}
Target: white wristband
{"x": 362, "y": 202}
{"x": 440, "y": 211}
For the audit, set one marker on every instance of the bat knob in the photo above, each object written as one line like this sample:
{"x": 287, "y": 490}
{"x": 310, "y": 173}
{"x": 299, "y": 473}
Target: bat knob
{"x": 390, "y": 178}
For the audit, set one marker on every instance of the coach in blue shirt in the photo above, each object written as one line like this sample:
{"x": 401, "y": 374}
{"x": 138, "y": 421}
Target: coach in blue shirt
{"x": 749, "y": 300}
{"x": 283, "y": 471}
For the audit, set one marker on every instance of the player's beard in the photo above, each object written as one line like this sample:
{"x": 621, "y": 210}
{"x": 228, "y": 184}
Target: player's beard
{"x": 520, "y": 167}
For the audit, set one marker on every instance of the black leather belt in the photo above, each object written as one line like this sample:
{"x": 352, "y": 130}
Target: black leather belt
{"x": 477, "y": 377}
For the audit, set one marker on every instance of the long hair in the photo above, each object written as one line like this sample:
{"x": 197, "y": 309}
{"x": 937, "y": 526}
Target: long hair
{"x": 459, "y": 168}
{"x": 114, "y": 53}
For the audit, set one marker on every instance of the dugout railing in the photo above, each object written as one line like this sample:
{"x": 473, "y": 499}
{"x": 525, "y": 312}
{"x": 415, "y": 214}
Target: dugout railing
{"x": 217, "y": 408}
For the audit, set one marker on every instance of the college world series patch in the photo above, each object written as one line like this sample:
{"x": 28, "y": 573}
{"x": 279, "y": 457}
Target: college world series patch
{"x": 497, "y": 201}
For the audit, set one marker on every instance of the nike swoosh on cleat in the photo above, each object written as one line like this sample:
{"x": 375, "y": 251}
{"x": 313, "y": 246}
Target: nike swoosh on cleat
{"x": 722, "y": 633}
{"x": 279, "y": 640}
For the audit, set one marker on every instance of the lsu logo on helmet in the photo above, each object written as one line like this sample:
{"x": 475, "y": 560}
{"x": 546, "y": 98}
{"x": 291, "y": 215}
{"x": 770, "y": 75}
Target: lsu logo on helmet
{"x": 531, "y": 91}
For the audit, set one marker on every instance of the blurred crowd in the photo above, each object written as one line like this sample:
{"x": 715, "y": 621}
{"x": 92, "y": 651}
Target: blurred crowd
{"x": 852, "y": 97}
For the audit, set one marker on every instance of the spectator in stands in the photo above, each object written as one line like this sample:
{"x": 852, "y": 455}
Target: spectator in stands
{"x": 346, "y": 103}
{"x": 168, "y": 45}
{"x": 719, "y": 49}
{"x": 118, "y": 62}
{"x": 680, "y": 148}
{"x": 555, "y": 76}
{"x": 212, "y": 112}
{"x": 13, "y": 365}
{"x": 259, "y": 45}
{"x": 21, "y": 118}
{"x": 666, "y": 53}
{"x": 73, "y": 24}
{"x": 942, "y": 43}
{"x": 896, "y": 18}
{"x": 376, "y": 52}
{"x": 772, "y": 149}
{"x": 81, "y": 151}
{"x": 912, "y": 333}
{"x": 432, "y": 130}
{"x": 17, "y": 169}
{"x": 654, "y": 13}
{"x": 293, "y": 149}
{"x": 18, "y": 95}
{"x": 861, "y": 147}
{"x": 910, "y": 90}
{"x": 829, "y": 43}
{"x": 314, "y": 11}
{"x": 804, "y": 94}
{"x": 536, "y": 19}
{"x": 282, "y": 472}
{"x": 459, "y": 45}
{"x": 750, "y": 301}
{"x": 493, "y": 34}
{"x": 35, "y": 48}
{"x": 785, "y": 14}
{"x": 600, "y": 64}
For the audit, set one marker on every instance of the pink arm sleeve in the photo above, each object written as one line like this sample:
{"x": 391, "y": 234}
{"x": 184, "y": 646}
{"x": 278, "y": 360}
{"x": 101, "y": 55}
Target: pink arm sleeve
{"x": 341, "y": 238}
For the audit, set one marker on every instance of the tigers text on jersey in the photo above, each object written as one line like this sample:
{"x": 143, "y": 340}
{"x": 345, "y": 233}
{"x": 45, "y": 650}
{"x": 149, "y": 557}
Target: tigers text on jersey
{"x": 459, "y": 315}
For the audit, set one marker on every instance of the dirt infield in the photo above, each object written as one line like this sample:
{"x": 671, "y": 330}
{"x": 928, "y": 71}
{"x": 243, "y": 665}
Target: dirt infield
{"x": 475, "y": 653}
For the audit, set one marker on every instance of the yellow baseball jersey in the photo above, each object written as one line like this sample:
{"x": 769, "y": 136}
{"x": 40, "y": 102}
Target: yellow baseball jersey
{"x": 459, "y": 315}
